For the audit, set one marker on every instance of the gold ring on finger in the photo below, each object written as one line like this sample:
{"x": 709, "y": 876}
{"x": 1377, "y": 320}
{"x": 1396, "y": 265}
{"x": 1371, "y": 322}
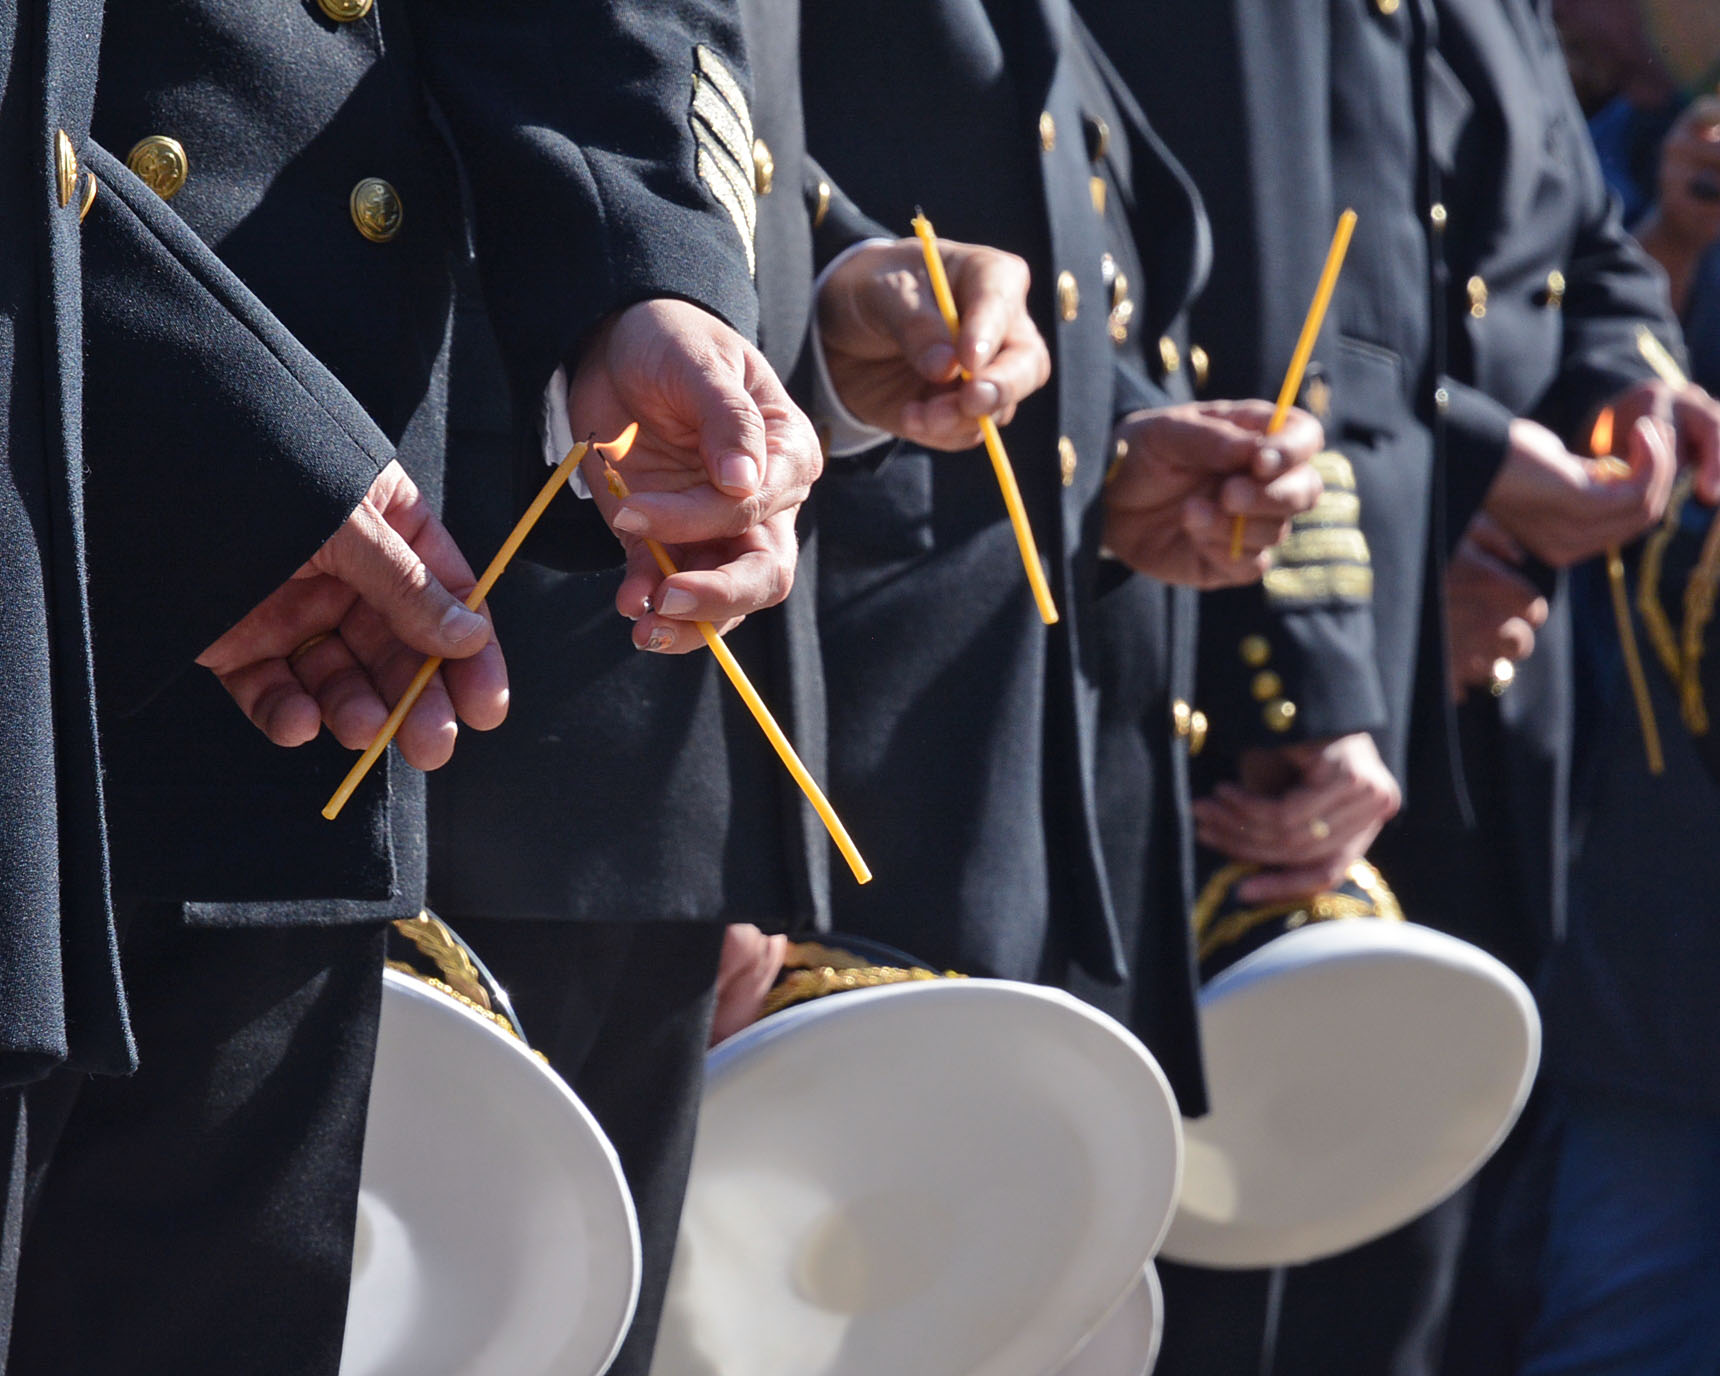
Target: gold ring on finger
{"x": 306, "y": 646}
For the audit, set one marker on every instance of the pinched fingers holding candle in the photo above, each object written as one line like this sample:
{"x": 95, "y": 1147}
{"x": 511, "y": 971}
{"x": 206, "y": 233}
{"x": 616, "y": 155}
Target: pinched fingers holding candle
{"x": 888, "y": 350}
{"x": 721, "y": 446}
{"x": 1182, "y": 476}
{"x": 719, "y": 581}
{"x": 352, "y": 626}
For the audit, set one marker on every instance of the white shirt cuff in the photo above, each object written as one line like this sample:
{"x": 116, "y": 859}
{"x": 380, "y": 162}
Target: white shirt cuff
{"x": 556, "y": 428}
{"x": 848, "y": 434}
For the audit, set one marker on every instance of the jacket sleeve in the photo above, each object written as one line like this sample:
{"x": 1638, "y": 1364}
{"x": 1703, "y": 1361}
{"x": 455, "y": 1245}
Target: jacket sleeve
{"x": 220, "y": 453}
{"x": 609, "y": 153}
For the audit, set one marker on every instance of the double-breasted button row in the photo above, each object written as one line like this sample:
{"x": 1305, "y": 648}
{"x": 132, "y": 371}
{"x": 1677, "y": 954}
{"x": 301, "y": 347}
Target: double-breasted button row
{"x": 161, "y": 163}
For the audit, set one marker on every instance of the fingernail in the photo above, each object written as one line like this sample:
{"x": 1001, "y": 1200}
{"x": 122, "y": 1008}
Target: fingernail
{"x": 459, "y": 622}
{"x": 662, "y": 638}
{"x": 987, "y": 396}
{"x": 677, "y": 601}
{"x": 738, "y": 471}
{"x": 1272, "y": 460}
{"x": 982, "y": 350}
{"x": 631, "y": 521}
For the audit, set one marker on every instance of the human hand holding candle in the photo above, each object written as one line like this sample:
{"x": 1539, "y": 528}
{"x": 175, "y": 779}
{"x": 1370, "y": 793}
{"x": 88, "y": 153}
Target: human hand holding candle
{"x": 888, "y": 350}
{"x": 721, "y": 446}
{"x": 349, "y": 628}
{"x": 1181, "y": 471}
{"x": 1000, "y": 464}
{"x": 1563, "y": 508}
{"x": 1305, "y": 345}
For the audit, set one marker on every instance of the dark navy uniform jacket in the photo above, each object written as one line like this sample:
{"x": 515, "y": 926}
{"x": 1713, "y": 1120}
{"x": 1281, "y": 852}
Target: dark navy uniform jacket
{"x": 966, "y": 738}
{"x": 319, "y": 164}
{"x": 1300, "y": 129}
{"x": 629, "y": 786}
{"x": 228, "y": 430}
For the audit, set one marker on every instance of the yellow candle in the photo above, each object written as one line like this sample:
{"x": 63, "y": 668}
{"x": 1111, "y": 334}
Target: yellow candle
{"x": 1305, "y": 344}
{"x": 761, "y": 714}
{"x": 1664, "y": 364}
{"x": 1000, "y": 464}
{"x": 474, "y": 600}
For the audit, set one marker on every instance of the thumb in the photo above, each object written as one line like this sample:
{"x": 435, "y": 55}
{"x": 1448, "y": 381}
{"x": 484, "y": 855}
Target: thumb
{"x": 731, "y": 427}
{"x": 1651, "y": 453}
{"x": 376, "y": 562}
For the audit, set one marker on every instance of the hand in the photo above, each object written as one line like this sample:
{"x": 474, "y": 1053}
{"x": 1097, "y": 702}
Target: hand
{"x": 722, "y": 464}
{"x": 1305, "y": 812}
{"x": 1492, "y": 613}
{"x": 383, "y": 592}
{"x": 749, "y": 966}
{"x": 1564, "y": 509}
{"x": 1694, "y": 417}
{"x": 1186, "y": 471}
{"x": 889, "y": 351}
{"x": 1686, "y": 217}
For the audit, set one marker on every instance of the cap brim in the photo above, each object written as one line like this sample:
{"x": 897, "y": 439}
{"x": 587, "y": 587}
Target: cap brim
{"x": 496, "y": 1233}
{"x": 1359, "y": 1072}
{"x": 1127, "y": 1342}
{"x": 958, "y": 1178}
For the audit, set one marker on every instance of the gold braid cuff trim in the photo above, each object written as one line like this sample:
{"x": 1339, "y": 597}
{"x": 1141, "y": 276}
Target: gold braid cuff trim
{"x": 1213, "y": 935}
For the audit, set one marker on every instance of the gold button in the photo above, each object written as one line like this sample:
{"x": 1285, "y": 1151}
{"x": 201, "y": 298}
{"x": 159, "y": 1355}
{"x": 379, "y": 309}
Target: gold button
{"x": 160, "y": 164}
{"x": 1068, "y": 296}
{"x": 376, "y": 210}
{"x": 1097, "y": 189}
{"x": 1200, "y": 365}
{"x": 1436, "y": 215}
{"x": 1118, "y": 322}
{"x": 1441, "y": 400}
{"x": 1182, "y": 718}
{"x": 820, "y": 210}
{"x": 1476, "y": 289}
{"x": 1119, "y": 287}
{"x": 65, "y": 168}
{"x": 345, "y": 11}
{"x": 1047, "y": 131}
{"x": 1386, "y": 7}
{"x": 1169, "y": 355}
{"x": 1256, "y": 651}
{"x": 1197, "y": 728}
{"x": 1066, "y": 461}
{"x": 1279, "y": 714}
{"x": 1266, "y": 686}
{"x": 1107, "y": 269}
{"x": 764, "y": 167}
{"x": 1098, "y": 138}
{"x": 1319, "y": 398}
{"x": 1555, "y": 289}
